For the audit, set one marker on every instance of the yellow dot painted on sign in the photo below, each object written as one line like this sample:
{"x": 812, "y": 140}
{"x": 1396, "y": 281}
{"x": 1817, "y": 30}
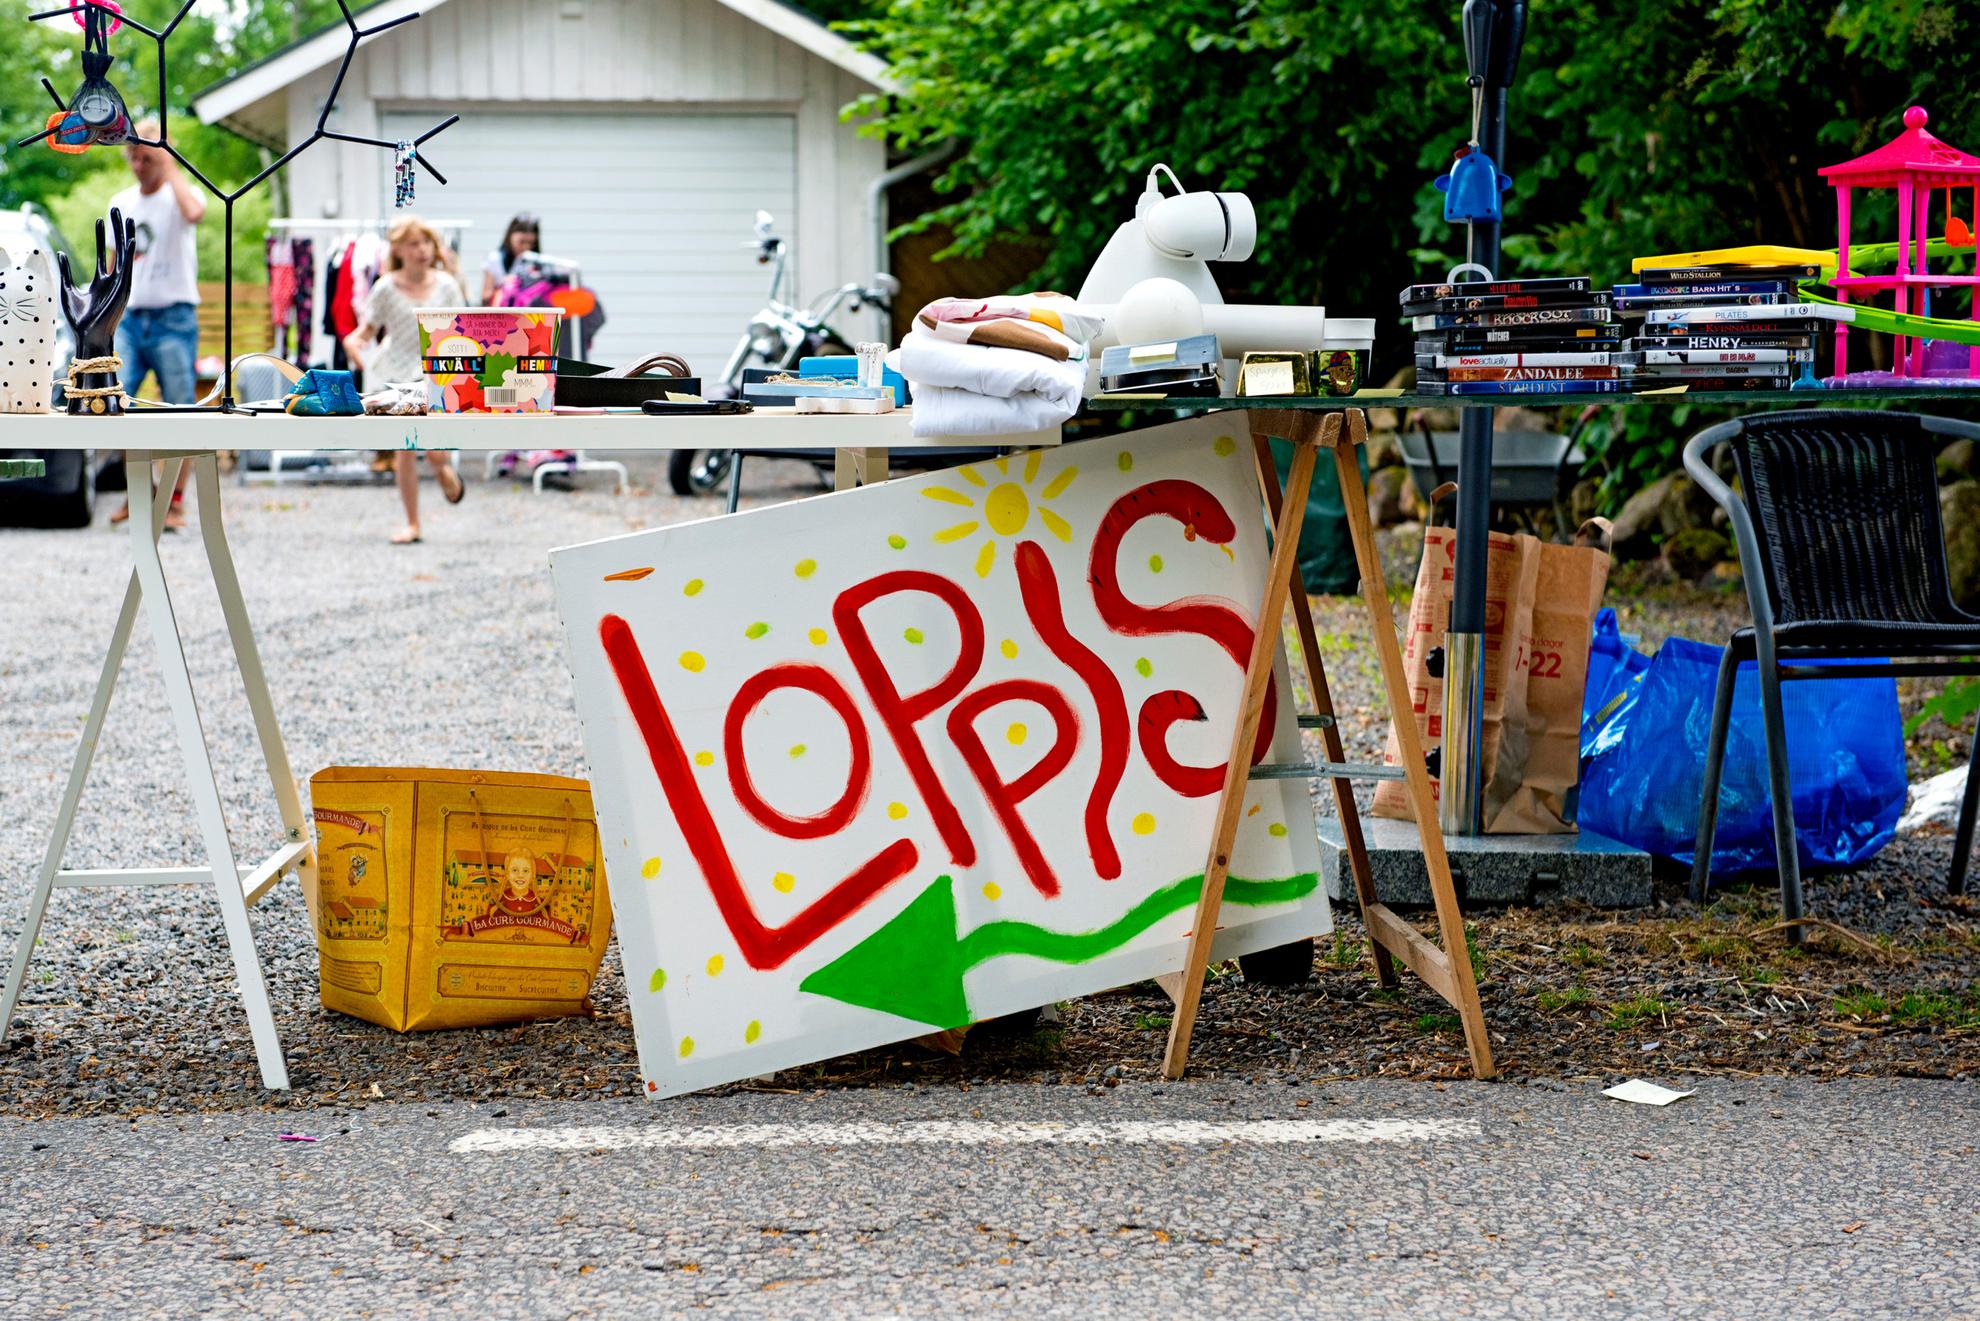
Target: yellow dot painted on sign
{"x": 693, "y": 587}
{"x": 752, "y": 1032}
{"x": 783, "y": 882}
{"x": 687, "y": 1047}
{"x": 1155, "y": 564}
{"x": 914, "y": 636}
{"x": 897, "y": 541}
{"x": 1124, "y": 461}
{"x": 805, "y": 568}
{"x": 1225, "y": 446}
{"x": 1143, "y": 823}
{"x": 1008, "y": 508}
{"x": 992, "y": 891}
{"x": 1016, "y": 734}
{"x": 896, "y": 811}
{"x": 818, "y": 637}
{"x": 704, "y": 758}
{"x": 1009, "y": 648}
{"x": 1144, "y": 667}
{"x": 693, "y": 662}
{"x": 756, "y": 630}
{"x": 657, "y": 980}
{"x": 797, "y": 749}
{"x": 714, "y": 965}
{"x": 650, "y": 868}
{"x": 1276, "y": 830}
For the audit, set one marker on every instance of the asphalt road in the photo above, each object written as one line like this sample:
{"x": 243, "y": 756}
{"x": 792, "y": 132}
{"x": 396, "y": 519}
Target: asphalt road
{"x": 1749, "y": 1199}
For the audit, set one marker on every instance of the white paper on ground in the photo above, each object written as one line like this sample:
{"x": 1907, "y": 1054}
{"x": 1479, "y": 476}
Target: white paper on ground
{"x": 1645, "y": 1093}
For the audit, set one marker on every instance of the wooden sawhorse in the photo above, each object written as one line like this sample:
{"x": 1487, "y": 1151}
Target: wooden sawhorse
{"x": 1447, "y": 970}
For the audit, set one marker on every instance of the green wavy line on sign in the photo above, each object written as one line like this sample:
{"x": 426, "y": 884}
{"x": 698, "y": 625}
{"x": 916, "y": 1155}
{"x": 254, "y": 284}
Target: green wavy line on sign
{"x": 994, "y": 938}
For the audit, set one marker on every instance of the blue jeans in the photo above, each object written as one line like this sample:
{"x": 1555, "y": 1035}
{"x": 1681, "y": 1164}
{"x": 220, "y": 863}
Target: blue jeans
{"x": 163, "y": 341}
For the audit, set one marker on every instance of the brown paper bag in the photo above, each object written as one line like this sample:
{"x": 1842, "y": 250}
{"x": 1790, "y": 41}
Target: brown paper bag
{"x": 1567, "y": 593}
{"x": 1509, "y": 581}
{"x": 1533, "y": 590}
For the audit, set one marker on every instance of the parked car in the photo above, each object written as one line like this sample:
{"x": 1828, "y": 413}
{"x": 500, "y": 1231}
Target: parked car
{"x": 65, "y": 495}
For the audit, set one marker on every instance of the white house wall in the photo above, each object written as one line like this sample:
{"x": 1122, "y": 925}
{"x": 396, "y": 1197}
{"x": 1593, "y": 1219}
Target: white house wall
{"x": 614, "y": 54}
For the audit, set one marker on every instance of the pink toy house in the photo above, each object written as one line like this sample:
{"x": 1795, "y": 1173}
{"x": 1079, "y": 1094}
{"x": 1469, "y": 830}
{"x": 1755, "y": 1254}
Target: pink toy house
{"x": 1915, "y": 163}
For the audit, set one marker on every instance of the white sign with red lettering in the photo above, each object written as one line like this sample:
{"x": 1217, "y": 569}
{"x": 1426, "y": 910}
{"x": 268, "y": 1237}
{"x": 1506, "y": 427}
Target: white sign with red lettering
{"x": 924, "y": 753}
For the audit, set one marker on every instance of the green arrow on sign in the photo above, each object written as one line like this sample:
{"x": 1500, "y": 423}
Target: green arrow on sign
{"x": 914, "y": 965}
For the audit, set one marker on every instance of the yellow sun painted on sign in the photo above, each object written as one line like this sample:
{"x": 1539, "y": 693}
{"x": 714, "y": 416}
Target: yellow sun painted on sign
{"x": 1006, "y": 505}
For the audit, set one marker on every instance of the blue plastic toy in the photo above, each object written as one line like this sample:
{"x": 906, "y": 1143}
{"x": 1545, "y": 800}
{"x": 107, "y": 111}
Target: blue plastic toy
{"x": 1471, "y": 190}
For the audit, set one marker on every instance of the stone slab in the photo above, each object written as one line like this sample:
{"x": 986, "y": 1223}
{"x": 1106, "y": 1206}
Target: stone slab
{"x": 1492, "y": 869}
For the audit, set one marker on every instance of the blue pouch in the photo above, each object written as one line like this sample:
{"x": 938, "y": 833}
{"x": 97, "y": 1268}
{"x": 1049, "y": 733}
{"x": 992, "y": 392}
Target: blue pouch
{"x": 325, "y": 393}
{"x": 1643, "y": 764}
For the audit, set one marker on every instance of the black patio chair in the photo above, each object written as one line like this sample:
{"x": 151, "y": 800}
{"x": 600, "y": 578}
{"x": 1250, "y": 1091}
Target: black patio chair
{"x": 1844, "y": 558}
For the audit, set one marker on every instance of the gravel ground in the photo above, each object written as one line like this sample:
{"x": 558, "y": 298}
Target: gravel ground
{"x": 448, "y": 653}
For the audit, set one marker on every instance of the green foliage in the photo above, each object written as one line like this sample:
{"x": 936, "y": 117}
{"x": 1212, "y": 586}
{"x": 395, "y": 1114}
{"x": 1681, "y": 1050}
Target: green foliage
{"x": 1862, "y": 1004}
{"x": 1429, "y": 1023}
{"x": 1568, "y": 998}
{"x": 1956, "y": 706}
{"x": 1581, "y": 955}
{"x": 1631, "y": 1013}
{"x": 1936, "y": 1009}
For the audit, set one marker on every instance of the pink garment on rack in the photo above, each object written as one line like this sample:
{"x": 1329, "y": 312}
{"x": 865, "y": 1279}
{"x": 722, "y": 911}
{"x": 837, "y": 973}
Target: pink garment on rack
{"x": 281, "y": 283}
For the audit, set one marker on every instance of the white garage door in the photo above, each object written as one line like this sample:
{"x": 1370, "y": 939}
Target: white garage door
{"x": 658, "y": 209}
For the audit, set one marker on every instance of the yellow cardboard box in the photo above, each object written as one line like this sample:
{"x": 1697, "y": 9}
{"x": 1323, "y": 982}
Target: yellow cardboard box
{"x": 456, "y": 898}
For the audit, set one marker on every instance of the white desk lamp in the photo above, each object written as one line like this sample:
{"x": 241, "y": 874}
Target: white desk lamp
{"x": 1173, "y": 239}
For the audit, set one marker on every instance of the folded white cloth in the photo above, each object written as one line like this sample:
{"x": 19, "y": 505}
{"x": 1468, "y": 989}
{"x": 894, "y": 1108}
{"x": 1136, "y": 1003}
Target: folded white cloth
{"x": 982, "y": 390}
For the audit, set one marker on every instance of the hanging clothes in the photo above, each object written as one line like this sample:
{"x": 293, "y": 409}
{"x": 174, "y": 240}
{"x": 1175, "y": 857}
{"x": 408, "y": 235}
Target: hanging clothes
{"x": 302, "y": 261}
{"x": 336, "y": 283}
{"x": 291, "y": 295}
{"x": 281, "y": 286}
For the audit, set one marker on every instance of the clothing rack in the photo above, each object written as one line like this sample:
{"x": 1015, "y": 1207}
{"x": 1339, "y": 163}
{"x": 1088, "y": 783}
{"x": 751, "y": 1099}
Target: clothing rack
{"x": 380, "y": 225}
{"x": 451, "y": 231}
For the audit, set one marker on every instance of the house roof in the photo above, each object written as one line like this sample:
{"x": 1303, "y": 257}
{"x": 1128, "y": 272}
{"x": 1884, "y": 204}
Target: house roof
{"x": 1913, "y": 156}
{"x": 278, "y": 70}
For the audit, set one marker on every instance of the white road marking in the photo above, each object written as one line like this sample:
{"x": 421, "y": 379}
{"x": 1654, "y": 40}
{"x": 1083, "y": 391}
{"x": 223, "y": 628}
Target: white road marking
{"x": 961, "y": 1133}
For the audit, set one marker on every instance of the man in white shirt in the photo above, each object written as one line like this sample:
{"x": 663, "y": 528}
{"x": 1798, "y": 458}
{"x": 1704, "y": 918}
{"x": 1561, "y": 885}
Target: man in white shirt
{"x": 159, "y": 332}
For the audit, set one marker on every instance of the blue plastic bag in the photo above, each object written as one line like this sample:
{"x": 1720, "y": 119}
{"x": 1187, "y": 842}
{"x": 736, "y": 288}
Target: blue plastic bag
{"x": 1611, "y": 663}
{"x": 1643, "y": 764}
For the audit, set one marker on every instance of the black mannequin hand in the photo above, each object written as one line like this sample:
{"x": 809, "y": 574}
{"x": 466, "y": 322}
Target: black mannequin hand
{"x": 93, "y": 310}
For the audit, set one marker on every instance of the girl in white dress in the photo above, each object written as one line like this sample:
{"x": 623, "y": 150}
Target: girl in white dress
{"x": 419, "y": 273}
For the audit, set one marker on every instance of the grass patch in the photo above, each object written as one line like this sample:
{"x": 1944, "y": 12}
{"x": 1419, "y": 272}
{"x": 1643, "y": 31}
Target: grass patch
{"x": 1583, "y": 955}
{"x": 1631, "y": 1013}
{"x": 1346, "y": 952}
{"x": 1763, "y": 976}
{"x": 1387, "y": 994}
{"x": 1573, "y": 996}
{"x": 1862, "y": 1004}
{"x": 1150, "y": 1022}
{"x": 1932, "y": 1009}
{"x": 1477, "y": 952}
{"x": 1429, "y": 1023}
{"x": 1722, "y": 949}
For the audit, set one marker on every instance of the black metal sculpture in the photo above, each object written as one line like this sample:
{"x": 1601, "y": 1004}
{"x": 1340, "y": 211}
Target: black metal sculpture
{"x": 99, "y": 14}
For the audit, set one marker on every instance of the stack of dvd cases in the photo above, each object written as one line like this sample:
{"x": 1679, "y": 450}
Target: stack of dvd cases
{"x": 1546, "y": 336}
{"x": 1723, "y": 327}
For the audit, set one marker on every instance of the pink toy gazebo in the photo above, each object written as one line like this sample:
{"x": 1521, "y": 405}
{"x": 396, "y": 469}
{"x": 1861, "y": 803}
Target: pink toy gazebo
{"x": 1915, "y": 163}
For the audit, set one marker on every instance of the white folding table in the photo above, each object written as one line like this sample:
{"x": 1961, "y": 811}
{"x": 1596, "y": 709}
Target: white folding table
{"x": 860, "y": 445}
